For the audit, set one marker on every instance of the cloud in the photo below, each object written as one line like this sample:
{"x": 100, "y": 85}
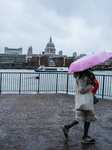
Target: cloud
{"x": 75, "y": 26}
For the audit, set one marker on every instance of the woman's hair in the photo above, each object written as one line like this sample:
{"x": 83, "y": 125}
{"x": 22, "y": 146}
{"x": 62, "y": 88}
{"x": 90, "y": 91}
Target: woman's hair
{"x": 88, "y": 73}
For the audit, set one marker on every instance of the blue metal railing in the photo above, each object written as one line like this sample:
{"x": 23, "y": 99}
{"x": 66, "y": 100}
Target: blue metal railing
{"x": 16, "y": 82}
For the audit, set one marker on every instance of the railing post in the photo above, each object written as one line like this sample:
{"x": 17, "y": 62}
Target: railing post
{"x": 38, "y": 83}
{"x": 57, "y": 83}
{"x": 103, "y": 86}
{"x": 20, "y": 84}
{"x": 0, "y": 82}
{"x": 67, "y": 85}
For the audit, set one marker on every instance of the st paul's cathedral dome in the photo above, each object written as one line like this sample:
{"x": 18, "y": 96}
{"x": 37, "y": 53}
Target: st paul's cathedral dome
{"x": 50, "y": 48}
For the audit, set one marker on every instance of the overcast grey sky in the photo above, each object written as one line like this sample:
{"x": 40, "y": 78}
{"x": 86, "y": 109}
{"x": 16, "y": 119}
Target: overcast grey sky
{"x": 82, "y": 26}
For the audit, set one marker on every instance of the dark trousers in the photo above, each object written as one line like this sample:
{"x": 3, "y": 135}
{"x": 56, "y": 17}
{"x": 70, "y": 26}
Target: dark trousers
{"x": 86, "y": 127}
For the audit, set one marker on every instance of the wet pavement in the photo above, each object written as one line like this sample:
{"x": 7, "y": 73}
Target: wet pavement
{"x": 33, "y": 122}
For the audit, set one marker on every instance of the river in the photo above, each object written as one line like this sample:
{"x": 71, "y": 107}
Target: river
{"x": 32, "y": 71}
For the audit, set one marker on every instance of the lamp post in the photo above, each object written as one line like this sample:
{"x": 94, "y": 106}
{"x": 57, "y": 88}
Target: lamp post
{"x": 64, "y": 61}
{"x": 39, "y": 60}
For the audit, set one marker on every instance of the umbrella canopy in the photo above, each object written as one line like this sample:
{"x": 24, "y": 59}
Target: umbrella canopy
{"x": 88, "y": 61}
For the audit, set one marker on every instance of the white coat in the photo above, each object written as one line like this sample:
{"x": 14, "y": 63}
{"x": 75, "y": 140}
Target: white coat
{"x": 83, "y": 94}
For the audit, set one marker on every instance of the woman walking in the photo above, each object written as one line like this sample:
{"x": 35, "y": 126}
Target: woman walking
{"x": 83, "y": 104}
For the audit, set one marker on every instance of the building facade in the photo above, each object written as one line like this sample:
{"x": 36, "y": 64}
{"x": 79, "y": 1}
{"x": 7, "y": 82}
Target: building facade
{"x": 57, "y": 61}
{"x": 30, "y": 51}
{"x": 74, "y": 54}
{"x": 12, "y": 60}
{"x": 60, "y": 53}
{"x": 13, "y": 51}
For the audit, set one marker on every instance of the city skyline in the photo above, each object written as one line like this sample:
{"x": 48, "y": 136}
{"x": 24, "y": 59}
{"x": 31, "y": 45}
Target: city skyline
{"x": 49, "y": 50}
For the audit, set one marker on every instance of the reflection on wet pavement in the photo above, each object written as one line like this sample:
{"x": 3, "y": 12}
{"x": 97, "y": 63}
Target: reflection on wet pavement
{"x": 33, "y": 122}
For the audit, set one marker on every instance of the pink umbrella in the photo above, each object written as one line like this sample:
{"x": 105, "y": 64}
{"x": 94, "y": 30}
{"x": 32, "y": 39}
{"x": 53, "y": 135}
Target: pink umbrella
{"x": 89, "y": 61}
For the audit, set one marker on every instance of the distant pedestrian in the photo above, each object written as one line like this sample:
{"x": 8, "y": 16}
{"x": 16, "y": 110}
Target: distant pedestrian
{"x": 83, "y": 104}
{"x": 95, "y": 88}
